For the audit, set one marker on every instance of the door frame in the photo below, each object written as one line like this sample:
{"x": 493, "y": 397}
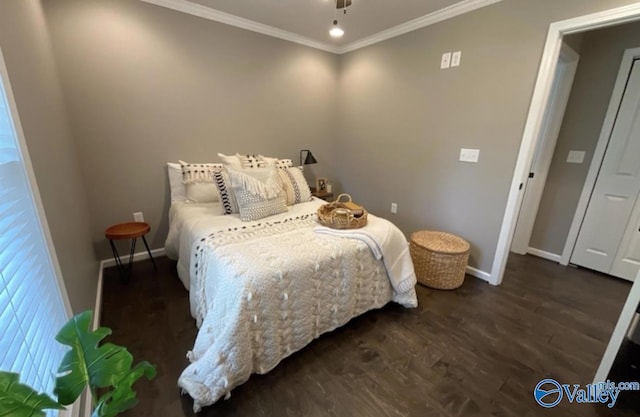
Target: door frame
{"x": 598, "y": 155}
{"x": 535, "y": 117}
{"x": 619, "y": 332}
{"x": 545, "y": 148}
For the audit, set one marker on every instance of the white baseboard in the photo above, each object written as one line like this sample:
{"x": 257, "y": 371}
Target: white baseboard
{"x": 544, "y": 254}
{"x": 485, "y": 276}
{"x": 138, "y": 256}
{"x": 97, "y": 310}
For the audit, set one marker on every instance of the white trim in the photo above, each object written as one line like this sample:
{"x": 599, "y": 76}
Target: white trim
{"x": 72, "y": 410}
{"x": 449, "y": 12}
{"x": 626, "y": 316}
{"x": 545, "y": 148}
{"x": 457, "y": 9}
{"x": 475, "y": 272}
{"x": 543, "y": 254}
{"x": 97, "y": 312}
{"x": 33, "y": 184}
{"x": 242, "y": 23}
{"x": 599, "y": 153}
{"x": 138, "y": 256}
{"x": 536, "y": 113}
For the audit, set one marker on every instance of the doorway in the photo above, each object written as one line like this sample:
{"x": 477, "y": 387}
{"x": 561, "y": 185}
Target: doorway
{"x": 557, "y": 31}
{"x": 579, "y": 209}
{"x": 608, "y": 238}
{"x": 537, "y": 178}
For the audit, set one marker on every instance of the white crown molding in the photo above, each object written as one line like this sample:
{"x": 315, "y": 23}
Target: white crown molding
{"x": 199, "y": 10}
{"x": 454, "y": 10}
{"x": 465, "y": 6}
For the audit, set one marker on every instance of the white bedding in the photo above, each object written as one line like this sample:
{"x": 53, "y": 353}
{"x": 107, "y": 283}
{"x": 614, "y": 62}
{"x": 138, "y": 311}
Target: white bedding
{"x": 188, "y": 222}
{"x": 263, "y": 290}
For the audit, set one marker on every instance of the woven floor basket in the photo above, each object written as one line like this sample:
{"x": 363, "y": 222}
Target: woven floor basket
{"x": 439, "y": 258}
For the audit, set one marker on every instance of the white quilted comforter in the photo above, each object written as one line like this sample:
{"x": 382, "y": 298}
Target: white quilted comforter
{"x": 262, "y": 291}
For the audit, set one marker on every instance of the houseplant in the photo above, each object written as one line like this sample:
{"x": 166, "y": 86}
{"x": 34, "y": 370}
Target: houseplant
{"x": 105, "y": 369}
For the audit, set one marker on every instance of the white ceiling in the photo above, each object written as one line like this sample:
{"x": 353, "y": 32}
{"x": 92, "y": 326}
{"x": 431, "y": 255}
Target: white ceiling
{"x": 308, "y": 21}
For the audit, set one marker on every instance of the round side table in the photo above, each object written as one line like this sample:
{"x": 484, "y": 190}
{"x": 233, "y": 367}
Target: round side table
{"x": 129, "y": 230}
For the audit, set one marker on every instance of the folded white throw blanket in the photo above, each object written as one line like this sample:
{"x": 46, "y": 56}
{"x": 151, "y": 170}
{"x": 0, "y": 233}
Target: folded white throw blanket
{"x": 387, "y": 243}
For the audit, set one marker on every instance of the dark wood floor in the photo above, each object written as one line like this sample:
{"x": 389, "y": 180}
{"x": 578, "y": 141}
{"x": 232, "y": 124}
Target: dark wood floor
{"x": 476, "y": 351}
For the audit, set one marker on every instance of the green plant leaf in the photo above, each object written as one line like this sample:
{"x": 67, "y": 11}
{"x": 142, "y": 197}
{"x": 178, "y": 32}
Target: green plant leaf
{"x": 86, "y": 362}
{"x": 123, "y": 397}
{"x": 20, "y": 400}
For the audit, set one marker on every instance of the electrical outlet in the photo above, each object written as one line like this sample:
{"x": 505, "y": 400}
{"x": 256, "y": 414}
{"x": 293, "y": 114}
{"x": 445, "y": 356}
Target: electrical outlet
{"x": 469, "y": 155}
{"x": 394, "y": 208}
{"x": 455, "y": 59}
{"x": 138, "y": 217}
{"x": 446, "y": 60}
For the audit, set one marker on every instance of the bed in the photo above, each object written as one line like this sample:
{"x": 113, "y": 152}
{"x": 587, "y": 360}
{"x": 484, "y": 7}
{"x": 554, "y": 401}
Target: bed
{"x": 262, "y": 290}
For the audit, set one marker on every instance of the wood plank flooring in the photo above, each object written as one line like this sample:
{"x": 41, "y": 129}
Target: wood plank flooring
{"x": 476, "y": 351}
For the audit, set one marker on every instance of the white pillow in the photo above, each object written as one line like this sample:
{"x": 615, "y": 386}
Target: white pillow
{"x": 231, "y": 161}
{"x": 258, "y": 192}
{"x": 178, "y": 191}
{"x": 227, "y": 196}
{"x": 198, "y": 182}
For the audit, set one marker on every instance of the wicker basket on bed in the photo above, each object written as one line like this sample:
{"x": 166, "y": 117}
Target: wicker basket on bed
{"x": 439, "y": 259}
{"x": 342, "y": 214}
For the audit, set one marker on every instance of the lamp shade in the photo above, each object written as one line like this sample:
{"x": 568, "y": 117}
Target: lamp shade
{"x": 309, "y": 159}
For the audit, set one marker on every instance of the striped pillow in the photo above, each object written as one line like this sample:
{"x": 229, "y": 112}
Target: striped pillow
{"x": 295, "y": 185}
{"x": 227, "y": 195}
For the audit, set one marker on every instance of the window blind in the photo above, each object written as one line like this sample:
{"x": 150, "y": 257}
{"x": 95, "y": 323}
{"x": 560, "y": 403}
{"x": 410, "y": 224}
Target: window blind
{"x": 32, "y": 309}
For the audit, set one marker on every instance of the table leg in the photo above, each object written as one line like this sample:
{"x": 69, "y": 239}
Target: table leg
{"x": 121, "y": 268}
{"x": 133, "y": 250}
{"x": 153, "y": 261}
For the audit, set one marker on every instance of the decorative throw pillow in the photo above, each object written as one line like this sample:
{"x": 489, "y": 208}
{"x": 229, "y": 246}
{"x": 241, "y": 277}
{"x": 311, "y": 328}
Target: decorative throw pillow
{"x": 253, "y": 161}
{"x": 284, "y": 163}
{"x": 231, "y": 161}
{"x": 227, "y": 195}
{"x": 258, "y": 192}
{"x": 295, "y": 185}
{"x": 198, "y": 182}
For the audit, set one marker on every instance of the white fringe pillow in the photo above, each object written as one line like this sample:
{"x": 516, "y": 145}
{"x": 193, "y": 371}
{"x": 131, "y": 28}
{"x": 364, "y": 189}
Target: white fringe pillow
{"x": 198, "y": 182}
{"x": 258, "y": 192}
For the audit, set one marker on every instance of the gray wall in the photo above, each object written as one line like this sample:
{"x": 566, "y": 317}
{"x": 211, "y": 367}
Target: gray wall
{"x": 27, "y": 52}
{"x": 403, "y": 120}
{"x": 600, "y": 57}
{"x": 145, "y": 85}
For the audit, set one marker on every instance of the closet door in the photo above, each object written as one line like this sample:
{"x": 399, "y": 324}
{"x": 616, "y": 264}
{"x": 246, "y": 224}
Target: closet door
{"x": 616, "y": 190}
{"x": 627, "y": 262}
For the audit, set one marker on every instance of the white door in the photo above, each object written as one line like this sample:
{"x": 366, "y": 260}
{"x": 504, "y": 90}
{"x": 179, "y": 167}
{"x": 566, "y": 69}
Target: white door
{"x": 627, "y": 262}
{"x": 608, "y": 220}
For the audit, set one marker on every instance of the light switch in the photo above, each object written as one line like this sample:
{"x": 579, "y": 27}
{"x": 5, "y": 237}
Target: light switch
{"x": 575, "y": 157}
{"x": 446, "y": 60}
{"x": 469, "y": 155}
{"x": 455, "y": 58}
